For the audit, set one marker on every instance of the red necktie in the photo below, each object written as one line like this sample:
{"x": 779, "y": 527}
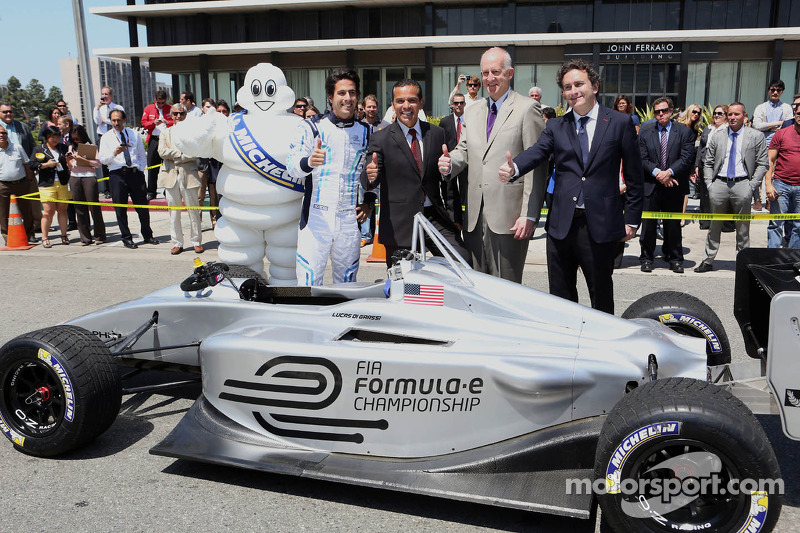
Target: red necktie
{"x": 415, "y": 151}
{"x": 458, "y": 132}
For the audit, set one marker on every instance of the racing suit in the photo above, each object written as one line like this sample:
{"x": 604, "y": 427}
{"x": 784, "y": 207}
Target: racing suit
{"x": 328, "y": 225}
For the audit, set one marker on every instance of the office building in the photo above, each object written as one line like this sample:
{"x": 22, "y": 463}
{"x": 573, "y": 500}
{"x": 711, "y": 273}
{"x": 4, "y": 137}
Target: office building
{"x": 116, "y": 73}
{"x": 696, "y": 51}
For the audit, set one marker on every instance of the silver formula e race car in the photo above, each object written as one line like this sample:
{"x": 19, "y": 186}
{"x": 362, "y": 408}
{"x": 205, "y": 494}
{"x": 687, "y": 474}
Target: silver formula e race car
{"x": 440, "y": 381}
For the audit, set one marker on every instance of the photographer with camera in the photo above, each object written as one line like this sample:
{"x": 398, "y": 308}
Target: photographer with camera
{"x": 473, "y": 86}
{"x": 102, "y": 114}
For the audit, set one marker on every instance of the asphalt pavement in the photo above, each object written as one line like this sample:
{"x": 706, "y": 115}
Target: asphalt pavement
{"x": 115, "y": 485}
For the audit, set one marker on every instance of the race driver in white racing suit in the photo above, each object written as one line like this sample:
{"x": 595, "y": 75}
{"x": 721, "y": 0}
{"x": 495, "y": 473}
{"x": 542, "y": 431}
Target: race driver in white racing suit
{"x": 329, "y": 150}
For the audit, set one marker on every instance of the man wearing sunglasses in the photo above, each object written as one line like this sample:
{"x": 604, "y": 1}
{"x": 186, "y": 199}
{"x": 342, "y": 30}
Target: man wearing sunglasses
{"x": 770, "y": 115}
{"x": 454, "y": 128}
{"x": 18, "y": 132}
{"x": 667, "y": 152}
{"x": 16, "y": 178}
{"x": 299, "y": 108}
{"x": 180, "y": 178}
{"x": 735, "y": 163}
{"x": 155, "y": 119}
{"x": 473, "y": 84}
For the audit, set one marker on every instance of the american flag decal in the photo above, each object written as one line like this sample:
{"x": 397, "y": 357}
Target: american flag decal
{"x": 414, "y": 293}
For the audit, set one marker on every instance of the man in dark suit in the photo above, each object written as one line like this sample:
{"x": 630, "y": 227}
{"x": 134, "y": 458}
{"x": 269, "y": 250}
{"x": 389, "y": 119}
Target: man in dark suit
{"x": 667, "y": 151}
{"x": 588, "y": 217}
{"x": 455, "y": 190}
{"x": 402, "y": 159}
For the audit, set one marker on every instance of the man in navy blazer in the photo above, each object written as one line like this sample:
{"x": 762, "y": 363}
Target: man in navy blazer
{"x": 589, "y": 216}
{"x": 666, "y": 169}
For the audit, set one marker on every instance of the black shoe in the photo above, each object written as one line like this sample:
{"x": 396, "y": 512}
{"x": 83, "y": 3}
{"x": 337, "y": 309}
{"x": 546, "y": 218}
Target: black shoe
{"x": 647, "y": 266}
{"x": 705, "y": 225}
{"x": 107, "y": 195}
{"x": 152, "y": 240}
{"x": 150, "y": 197}
{"x": 704, "y": 267}
{"x": 676, "y": 267}
{"x": 72, "y": 227}
{"x": 129, "y": 244}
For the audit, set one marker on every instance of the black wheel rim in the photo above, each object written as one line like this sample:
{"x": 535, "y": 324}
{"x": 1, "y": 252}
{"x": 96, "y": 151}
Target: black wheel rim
{"x": 33, "y": 398}
{"x": 716, "y": 512}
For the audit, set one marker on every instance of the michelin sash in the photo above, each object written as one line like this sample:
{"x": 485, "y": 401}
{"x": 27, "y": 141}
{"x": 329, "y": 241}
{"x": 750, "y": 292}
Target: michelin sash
{"x": 257, "y": 158}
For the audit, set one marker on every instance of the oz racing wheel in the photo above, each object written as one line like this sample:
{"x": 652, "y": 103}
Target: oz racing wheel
{"x": 59, "y": 390}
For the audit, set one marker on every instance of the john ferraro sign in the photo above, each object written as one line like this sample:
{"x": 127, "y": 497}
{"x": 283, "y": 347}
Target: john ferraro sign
{"x": 640, "y": 51}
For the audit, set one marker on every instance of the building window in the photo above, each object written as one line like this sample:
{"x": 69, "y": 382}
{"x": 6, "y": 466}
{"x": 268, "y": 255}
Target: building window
{"x": 737, "y": 81}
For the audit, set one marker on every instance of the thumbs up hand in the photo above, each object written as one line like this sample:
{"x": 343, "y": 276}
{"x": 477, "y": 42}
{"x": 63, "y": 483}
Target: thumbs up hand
{"x": 317, "y": 158}
{"x": 372, "y": 168}
{"x": 444, "y": 161}
{"x": 507, "y": 170}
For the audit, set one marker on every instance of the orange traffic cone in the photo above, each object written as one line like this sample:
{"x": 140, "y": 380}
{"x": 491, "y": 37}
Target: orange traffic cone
{"x": 378, "y": 254}
{"x": 16, "y": 238}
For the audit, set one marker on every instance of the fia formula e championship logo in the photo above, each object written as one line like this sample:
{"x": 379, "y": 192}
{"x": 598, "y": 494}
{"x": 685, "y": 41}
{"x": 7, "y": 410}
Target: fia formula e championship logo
{"x": 288, "y": 388}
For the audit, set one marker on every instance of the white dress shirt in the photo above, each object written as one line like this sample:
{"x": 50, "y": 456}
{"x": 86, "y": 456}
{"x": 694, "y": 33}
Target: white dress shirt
{"x": 740, "y": 170}
{"x": 110, "y": 142}
{"x": 416, "y": 128}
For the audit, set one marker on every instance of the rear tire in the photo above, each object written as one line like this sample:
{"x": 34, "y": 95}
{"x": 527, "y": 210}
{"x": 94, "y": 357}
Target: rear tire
{"x": 678, "y": 430}
{"x": 59, "y": 390}
{"x": 687, "y": 315}
{"x": 241, "y": 271}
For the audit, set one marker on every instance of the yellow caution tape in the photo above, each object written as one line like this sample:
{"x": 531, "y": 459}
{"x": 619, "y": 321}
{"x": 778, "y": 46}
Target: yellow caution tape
{"x": 713, "y": 216}
{"x": 146, "y": 168}
{"x": 34, "y": 196}
{"x": 720, "y": 216}
{"x": 645, "y": 214}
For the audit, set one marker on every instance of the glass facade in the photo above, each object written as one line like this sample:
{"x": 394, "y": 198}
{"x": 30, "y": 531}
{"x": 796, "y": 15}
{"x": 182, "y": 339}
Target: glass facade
{"x": 642, "y": 82}
{"x": 686, "y": 78}
{"x": 547, "y": 16}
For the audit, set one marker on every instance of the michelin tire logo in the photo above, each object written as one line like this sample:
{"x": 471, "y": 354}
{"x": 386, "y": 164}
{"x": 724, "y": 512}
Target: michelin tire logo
{"x": 694, "y": 323}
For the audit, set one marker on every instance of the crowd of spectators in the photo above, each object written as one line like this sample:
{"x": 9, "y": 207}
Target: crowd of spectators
{"x": 722, "y": 163}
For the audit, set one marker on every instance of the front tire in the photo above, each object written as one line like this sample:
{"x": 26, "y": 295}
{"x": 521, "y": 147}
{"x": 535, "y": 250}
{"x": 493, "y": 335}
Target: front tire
{"x": 59, "y": 390}
{"x": 687, "y": 315}
{"x": 677, "y": 434}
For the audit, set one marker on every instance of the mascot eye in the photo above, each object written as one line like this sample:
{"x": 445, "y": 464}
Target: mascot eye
{"x": 255, "y": 87}
{"x": 270, "y": 88}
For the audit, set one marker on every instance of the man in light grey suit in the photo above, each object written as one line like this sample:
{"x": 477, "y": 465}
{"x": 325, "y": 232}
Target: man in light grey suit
{"x": 500, "y": 217}
{"x": 736, "y": 161}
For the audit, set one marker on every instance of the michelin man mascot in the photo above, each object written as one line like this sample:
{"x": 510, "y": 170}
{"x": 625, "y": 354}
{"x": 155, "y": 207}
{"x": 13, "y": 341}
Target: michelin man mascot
{"x": 260, "y": 203}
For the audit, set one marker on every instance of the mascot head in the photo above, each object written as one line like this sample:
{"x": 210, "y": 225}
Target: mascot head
{"x": 265, "y": 89}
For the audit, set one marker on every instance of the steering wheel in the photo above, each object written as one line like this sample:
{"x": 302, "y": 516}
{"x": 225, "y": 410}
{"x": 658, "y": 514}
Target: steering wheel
{"x": 205, "y": 275}
{"x": 194, "y": 283}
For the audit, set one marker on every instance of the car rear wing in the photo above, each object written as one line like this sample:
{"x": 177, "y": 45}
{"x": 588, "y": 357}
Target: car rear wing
{"x": 783, "y": 360}
{"x": 761, "y": 273}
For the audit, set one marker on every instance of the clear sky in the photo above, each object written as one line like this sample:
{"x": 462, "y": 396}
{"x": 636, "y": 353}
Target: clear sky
{"x": 38, "y": 34}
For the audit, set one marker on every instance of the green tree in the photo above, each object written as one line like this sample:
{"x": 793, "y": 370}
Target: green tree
{"x": 53, "y": 96}
{"x": 36, "y": 100}
{"x": 15, "y": 92}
